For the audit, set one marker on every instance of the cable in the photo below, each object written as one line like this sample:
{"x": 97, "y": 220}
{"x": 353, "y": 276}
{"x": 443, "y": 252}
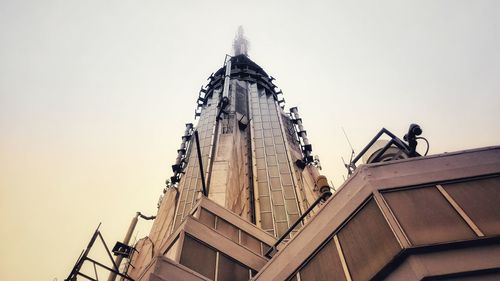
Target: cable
{"x": 426, "y": 141}
{"x": 146, "y": 217}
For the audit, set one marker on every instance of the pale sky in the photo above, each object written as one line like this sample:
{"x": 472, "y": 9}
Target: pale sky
{"x": 94, "y": 96}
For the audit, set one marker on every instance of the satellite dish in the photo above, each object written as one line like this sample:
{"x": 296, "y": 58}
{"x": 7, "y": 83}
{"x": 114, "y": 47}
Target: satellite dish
{"x": 392, "y": 153}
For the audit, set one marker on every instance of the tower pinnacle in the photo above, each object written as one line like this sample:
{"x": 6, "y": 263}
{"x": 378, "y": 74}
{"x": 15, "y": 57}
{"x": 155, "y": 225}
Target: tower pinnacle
{"x": 240, "y": 43}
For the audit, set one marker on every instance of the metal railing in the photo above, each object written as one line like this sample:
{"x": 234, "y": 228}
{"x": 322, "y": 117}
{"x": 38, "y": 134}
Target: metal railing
{"x": 322, "y": 198}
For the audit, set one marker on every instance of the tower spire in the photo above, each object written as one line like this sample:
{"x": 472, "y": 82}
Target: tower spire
{"x": 240, "y": 43}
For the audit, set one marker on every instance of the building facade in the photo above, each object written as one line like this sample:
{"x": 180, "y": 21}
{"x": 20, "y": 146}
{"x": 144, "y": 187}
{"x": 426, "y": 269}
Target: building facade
{"x": 426, "y": 218}
{"x": 256, "y": 163}
{"x": 245, "y": 174}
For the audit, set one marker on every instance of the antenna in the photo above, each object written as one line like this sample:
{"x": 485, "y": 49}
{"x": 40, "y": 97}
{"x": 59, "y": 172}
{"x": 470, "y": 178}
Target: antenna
{"x": 343, "y": 161}
{"x": 348, "y": 141}
{"x": 348, "y": 166}
{"x": 240, "y": 43}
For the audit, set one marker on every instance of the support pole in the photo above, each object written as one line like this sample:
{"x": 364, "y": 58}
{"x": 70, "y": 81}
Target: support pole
{"x": 126, "y": 240}
{"x": 200, "y": 163}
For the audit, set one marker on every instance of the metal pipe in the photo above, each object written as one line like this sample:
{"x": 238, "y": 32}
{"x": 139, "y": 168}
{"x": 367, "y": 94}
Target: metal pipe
{"x": 146, "y": 217}
{"x": 126, "y": 240}
{"x": 200, "y": 163}
{"x": 227, "y": 77}
{"x": 396, "y": 140}
{"x": 274, "y": 248}
{"x": 383, "y": 150}
{"x": 224, "y": 102}
{"x": 365, "y": 149}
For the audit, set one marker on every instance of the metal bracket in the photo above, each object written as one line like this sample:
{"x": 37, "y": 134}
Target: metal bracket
{"x": 76, "y": 271}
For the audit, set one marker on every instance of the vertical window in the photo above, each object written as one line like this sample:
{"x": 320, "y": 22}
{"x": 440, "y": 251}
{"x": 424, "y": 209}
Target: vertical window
{"x": 250, "y": 242}
{"x": 198, "y": 257}
{"x": 227, "y": 229}
{"x": 207, "y": 218}
{"x": 231, "y": 270}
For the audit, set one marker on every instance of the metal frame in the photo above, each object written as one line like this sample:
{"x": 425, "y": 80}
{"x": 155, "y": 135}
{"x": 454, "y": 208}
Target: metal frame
{"x": 202, "y": 175}
{"x": 394, "y": 141}
{"x": 75, "y": 272}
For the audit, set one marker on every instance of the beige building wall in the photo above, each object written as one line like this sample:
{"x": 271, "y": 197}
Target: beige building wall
{"x": 229, "y": 177}
{"x": 150, "y": 246}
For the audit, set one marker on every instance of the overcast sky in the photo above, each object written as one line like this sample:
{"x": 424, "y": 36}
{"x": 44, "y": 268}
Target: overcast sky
{"x": 94, "y": 96}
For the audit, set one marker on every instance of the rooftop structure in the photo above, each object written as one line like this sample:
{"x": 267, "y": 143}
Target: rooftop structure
{"x": 246, "y": 200}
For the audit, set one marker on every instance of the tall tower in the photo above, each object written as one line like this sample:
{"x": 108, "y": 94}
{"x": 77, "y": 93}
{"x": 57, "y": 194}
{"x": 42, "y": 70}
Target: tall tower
{"x": 244, "y": 181}
{"x": 256, "y": 160}
{"x": 256, "y": 157}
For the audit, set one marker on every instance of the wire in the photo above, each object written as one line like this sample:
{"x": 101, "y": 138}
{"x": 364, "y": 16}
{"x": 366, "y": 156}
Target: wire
{"x": 349, "y": 142}
{"x": 427, "y": 142}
